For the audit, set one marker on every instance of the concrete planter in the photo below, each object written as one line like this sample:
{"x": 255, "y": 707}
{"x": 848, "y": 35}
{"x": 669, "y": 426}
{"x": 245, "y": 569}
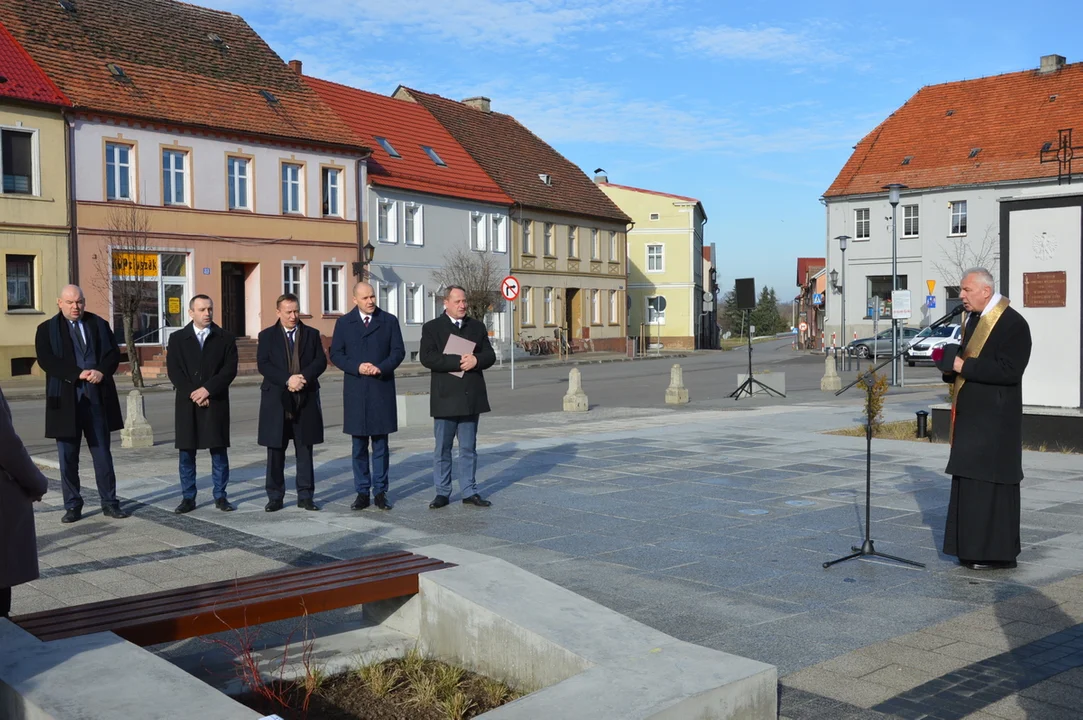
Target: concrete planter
{"x": 413, "y": 409}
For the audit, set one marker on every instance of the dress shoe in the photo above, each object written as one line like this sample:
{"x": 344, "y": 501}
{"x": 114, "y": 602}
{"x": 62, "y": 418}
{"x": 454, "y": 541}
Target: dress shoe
{"x": 381, "y": 501}
{"x": 439, "y": 501}
{"x": 273, "y": 506}
{"x": 307, "y": 505}
{"x": 361, "y": 502}
{"x": 994, "y": 565}
{"x": 74, "y": 515}
{"x": 477, "y": 501}
{"x": 114, "y": 511}
{"x": 223, "y": 505}
{"x": 187, "y": 505}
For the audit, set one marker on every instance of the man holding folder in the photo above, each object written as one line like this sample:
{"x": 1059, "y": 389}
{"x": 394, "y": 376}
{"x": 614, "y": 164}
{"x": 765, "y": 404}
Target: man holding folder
{"x": 456, "y": 349}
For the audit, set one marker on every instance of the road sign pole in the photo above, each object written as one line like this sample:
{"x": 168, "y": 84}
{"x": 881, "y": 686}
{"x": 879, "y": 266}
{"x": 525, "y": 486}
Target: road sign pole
{"x": 511, "y": 334}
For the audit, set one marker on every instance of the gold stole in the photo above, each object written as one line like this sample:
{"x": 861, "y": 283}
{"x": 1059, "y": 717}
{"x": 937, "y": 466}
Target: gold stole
{"x": 973, "y": 349}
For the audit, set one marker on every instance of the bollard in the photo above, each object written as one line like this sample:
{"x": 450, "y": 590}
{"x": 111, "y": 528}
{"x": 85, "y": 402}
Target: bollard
{"x": 831, "y": 381}
{"x": 923, "y": 424}
{"x": 575, "y": 400}
{"x": 137, "y": 432}
{"x": 676, "y": 393}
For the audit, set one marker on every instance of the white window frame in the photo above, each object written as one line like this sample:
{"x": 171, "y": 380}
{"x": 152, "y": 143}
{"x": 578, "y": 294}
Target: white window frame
{"x": 550, "y": 301}
{"x": 35, "y": 156}
{"x": 169, "y": 177}
{"x": 302, "y": 283}
{"x": 292, "y": 178}
{"x": 549, "y": 250}
{"x": 113, "y": 157}
{"x": 573, "y": 242}
{"x": 528, "y": 237}
{"x": 862, "y": 223}
{"x": 595, "y": 244}
{"x": 499, "y": 232}
{"x": 595, "y": 307}
{"x": 659, "y": 315}
{"x": 957, "y": 218}
{"x": 235, "y": 181}
{"x": 434, "y": 296}
{"x": 478, "y": 230}
{"x": 614, "y": 251}
{"x": 339, "y": 293}
{"x": 388, "y": 234}
{"x": 911, "y": 221}
{"x": 656, "y": 261}
{"x": 413, "y": 228}
{"x": 391, "y": 292}
{"x": 332, "y": 191}
{"x": 614, "y": 308}
{"x": 413, "y": 308}
{"x": 526, "y": 306}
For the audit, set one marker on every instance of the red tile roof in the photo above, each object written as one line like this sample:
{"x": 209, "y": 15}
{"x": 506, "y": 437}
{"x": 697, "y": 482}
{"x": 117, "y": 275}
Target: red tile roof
{"x": 20, "y": 76}
{"x": 514, "y": 157}
{"x": 175, "y": 70}
{"x": 408, "y": 126}
{"x": 804, "y": 265}
{"x": 1008, "y": 116}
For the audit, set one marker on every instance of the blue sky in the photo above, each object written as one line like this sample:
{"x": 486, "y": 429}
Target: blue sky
{"x": 751, "y": 107}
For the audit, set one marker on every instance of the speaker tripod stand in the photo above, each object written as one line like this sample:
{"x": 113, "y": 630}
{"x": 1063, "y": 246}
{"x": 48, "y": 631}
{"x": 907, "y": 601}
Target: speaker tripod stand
{"x": 751, "y": 383}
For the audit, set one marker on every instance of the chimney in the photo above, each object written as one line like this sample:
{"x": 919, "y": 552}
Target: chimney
{"x": 478, "y": 103}
{"x": 1051, "y": 63}
{"x": 295, "y": 65}
{"x": 600, "y": 176}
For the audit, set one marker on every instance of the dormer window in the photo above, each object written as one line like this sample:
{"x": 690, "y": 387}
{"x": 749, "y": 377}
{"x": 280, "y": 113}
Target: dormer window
{"x": 388, "y": 147}
{"x": 906, "y": 160}
{"x": 546, "y": 178}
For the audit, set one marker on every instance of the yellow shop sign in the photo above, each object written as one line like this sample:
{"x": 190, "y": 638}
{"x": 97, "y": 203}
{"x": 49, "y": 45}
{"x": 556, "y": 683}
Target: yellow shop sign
{"x": 135, "y": 264}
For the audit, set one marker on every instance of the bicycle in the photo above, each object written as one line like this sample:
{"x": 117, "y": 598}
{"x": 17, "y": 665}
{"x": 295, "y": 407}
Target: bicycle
{"x": 530, "y": 346}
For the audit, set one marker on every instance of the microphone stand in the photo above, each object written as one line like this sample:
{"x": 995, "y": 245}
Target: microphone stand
{"x": 867, "y": 548}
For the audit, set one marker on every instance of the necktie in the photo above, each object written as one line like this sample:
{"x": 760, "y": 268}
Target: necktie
{"x": 202, "y": 335}
{"x": 459, "y": 324}
{"x": 77, "y": 335}
{"x": 367, "y": 318}
{"x": 289, "y": 335}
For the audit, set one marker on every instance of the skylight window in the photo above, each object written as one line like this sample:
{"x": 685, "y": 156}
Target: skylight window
{"x": 546, "y": 178}
{"x": 117, "y": 72}
{"x": 269, "y": 96}
{"x": 974, "y": 152}
{"x": 949, "y": 113}
{"x": 907, "y": 159}
{"x": 67, "y": 5}
{"x": 218, "y": 41}
{"x": 1046, "y": 147}
{"x": 434, "y": 156}
{"x": 388, "y": 147}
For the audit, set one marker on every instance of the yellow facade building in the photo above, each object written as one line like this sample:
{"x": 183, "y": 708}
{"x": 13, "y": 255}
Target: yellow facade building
{"x": 668, "y": 305}
{"x": 34, "y": 220}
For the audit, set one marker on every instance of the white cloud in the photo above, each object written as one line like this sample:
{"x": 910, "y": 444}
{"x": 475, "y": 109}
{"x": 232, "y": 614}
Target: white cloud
{"x": 765, "y": 43}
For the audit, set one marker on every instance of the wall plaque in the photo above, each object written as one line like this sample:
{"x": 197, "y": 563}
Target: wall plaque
{"x": 1045, "y": 289}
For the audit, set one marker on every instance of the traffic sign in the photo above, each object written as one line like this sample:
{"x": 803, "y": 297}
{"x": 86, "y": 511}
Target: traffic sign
{"x": 931, "y": 284}
{"x": 930, "y": 302}
{"x": 804, "y": 327}
{"x": 900, "y": 304}
{"x": 817, "y": 298}
{"x": 509, "y": 287}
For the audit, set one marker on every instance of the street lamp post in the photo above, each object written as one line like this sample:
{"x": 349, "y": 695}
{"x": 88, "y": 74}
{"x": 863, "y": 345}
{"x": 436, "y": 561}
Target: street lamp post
{"x": 893, "y": 192}
{"x": 843, "y": 239}
{"x": 360, "y": 268}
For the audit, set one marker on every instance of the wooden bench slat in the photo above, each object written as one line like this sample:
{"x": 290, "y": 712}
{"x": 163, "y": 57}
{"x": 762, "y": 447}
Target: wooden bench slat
{"x": 215, "y": 595}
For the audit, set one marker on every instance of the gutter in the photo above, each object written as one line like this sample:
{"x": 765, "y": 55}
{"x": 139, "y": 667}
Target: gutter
{"x": 73, "y": 217}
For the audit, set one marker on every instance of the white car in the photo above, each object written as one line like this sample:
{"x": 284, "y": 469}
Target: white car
{"x": 922, "y": 348}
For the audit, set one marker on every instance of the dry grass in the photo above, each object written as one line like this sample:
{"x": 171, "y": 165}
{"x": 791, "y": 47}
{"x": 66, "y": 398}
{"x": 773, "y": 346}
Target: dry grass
{"x": 899, "y": 430}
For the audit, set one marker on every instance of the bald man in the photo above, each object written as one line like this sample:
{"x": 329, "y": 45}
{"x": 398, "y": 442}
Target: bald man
{"x": 79, "y": 355}
{"x": 367, "y": 346}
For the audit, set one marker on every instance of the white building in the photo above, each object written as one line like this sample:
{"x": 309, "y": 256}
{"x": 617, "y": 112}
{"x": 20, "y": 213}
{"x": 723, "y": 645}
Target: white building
{"x": 960, "y": 148}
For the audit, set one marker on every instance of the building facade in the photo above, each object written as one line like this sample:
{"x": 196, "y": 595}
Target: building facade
{"x": 665, "y": 265}
{"x": 429, "y": 210}
{"x": 34, "y": 208}
{"x": 958, "y": 149}
{"x": 567, "y": 239}
{"x": 202, "y": 164}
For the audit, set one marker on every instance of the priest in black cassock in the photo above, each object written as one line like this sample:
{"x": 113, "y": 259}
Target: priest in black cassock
{"x": 986, "y": 462}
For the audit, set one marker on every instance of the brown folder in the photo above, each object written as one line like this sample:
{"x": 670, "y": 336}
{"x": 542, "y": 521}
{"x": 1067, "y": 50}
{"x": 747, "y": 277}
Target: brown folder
{"x": 458, "y": 346}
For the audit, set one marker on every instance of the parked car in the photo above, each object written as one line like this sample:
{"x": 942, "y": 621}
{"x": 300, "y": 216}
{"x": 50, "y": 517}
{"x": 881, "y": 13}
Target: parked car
{"x": 927, "y": 341}
{"x": 863, "y": 347}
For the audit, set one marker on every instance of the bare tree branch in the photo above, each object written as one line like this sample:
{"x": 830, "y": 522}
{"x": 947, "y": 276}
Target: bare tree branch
{"x": 479, "y": 274}
{"x": 126, "y": 268}
{"x": 962, "y": 253}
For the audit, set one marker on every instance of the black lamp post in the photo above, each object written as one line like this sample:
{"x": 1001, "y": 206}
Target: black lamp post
{"x": 843, "y": 240}
{"x": 893, "y": 192}
{"x": 360, "y": 268}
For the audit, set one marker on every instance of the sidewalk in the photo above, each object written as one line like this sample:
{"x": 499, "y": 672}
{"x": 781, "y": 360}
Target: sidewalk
{"x": 709, "y": 525}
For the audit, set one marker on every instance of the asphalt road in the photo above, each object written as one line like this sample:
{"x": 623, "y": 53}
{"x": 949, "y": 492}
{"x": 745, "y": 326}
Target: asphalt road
{"x": 709, "y": 376}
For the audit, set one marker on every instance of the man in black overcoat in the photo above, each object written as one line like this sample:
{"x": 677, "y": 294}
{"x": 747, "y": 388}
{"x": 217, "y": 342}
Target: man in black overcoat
{"x": 367, "y": 346}
{"x": 202, "y": 363}
{"x": 986, "y": 462}
{"x": 456, "y": 402}
{"x": 291, "y": 359}
{"x": 79, "y": 355}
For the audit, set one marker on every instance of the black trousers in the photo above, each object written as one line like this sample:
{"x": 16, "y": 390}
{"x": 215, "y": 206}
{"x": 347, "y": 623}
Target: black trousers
{"x": 5, "y": 602}
{"x": 276, "y": 468}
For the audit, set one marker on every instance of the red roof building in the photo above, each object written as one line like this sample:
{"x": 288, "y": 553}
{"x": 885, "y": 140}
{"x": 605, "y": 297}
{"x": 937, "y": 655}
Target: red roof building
{"x": 21, "y": 78}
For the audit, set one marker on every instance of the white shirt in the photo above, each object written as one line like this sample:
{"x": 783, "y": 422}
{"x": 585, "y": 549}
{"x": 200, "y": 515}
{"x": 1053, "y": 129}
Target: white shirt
{"x": 365, "y": 318}
{"x": 992, "y": 303}
{"x": 456, "y": 323}
{"x": 201, "y": 335}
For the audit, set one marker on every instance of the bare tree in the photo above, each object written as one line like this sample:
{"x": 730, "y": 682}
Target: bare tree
{"x": 126, "y": 268}
{"x": 962, "y": 253}
{"x": 478, "y": 274}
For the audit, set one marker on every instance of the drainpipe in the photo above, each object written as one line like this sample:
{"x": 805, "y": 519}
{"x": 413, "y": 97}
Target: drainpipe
{"x": 73, "y": 218}
{"x": 361, "y": 191}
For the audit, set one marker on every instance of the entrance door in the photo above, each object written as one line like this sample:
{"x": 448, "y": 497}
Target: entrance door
{"x": 573, "y": 312}
{"x": 231, "y": 314}
{"x": 174, "y": 308}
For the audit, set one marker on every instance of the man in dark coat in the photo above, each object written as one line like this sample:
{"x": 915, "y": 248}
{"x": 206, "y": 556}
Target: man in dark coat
{"x": 367, "y": 346}
{"x": 986, "y": 461}
{"x": 202, "y": 363}
{"x": 21, "y": 485}
{"x": 79, "y": 355}
{"x": 457, "y": 395}
{"x": 291, "y": 359}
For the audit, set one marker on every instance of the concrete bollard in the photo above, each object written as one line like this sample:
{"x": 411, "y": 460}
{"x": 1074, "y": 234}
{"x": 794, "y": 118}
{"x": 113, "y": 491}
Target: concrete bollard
{"x": 137, "y": 432}
{"x": 575, "y": 400}
{"x": 831, "y": 381}
{"x": 676, "y": 393}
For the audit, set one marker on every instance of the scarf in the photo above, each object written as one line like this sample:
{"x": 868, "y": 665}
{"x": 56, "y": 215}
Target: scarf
{"x": 974, "y": 344}
{"x": 58, "y": 326}
{"x": 293, "y": 360}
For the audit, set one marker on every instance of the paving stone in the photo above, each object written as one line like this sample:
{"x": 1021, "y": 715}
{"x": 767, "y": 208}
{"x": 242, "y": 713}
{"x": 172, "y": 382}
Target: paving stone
{"x": 861, "y": 693}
